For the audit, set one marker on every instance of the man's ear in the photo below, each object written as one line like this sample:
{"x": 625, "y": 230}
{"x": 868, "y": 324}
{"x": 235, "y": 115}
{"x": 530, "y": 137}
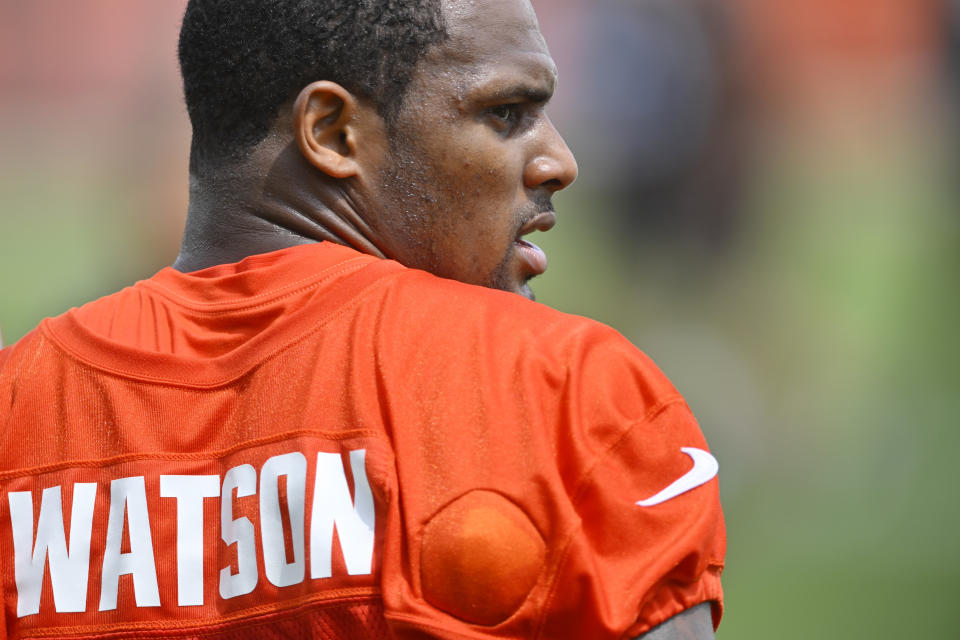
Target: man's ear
{"x": 324, "y": 125}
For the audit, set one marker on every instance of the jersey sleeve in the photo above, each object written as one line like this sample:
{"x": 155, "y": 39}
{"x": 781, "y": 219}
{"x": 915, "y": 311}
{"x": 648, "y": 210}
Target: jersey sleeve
{"x": 650, "y": 539}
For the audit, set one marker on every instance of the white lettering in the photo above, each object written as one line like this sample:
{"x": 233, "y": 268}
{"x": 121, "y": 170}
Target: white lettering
{"x": 339, "y": 510}
{"x": 243, "y": 479}
{"x": 68, "y": 568}
{"x": 294, "y": 467}
{"x": 128, "y": 504}
{"x": 189, "y": 492}
{"x": 332, "y": 507}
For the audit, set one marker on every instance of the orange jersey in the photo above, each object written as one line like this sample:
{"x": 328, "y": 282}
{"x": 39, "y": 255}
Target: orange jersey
{"x": 319, "y": 443}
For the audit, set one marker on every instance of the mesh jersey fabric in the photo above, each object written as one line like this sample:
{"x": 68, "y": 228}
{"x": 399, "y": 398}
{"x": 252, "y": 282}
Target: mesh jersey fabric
{"x": 318, "y": 443}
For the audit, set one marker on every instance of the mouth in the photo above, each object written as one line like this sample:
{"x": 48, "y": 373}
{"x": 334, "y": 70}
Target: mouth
{"x": 533, "y": 257}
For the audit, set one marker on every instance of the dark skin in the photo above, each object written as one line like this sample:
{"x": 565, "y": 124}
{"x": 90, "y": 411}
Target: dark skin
{"x": 452, "y": 185}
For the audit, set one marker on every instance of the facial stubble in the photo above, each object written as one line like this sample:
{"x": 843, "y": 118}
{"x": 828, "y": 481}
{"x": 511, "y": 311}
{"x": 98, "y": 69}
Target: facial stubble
{"x": 422, "y": 210}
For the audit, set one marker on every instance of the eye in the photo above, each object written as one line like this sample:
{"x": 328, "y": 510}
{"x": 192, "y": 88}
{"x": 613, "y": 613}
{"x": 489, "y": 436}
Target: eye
{"x": 505, "y": 115}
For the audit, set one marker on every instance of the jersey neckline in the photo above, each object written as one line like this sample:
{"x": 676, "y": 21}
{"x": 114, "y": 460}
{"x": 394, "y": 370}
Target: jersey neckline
{"x": 274, "y": 287}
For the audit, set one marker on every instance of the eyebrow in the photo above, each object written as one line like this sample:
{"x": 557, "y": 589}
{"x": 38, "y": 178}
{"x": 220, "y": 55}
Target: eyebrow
{"x": 524, "y": 91}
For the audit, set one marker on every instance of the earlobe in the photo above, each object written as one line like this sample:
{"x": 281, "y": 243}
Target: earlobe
{"x": 323, "y": 124}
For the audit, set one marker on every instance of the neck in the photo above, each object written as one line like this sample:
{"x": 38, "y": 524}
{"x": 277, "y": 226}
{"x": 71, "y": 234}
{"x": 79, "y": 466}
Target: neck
{"x": 258, "y": 207}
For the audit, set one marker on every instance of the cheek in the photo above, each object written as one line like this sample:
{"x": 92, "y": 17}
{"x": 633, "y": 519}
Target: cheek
{"x": 492, "y": 181}
{"x": 472, "y": 172}
{"x": 475, "y": 206}
{"x": 485, "y": 191}
{"x": 475, "y": 179}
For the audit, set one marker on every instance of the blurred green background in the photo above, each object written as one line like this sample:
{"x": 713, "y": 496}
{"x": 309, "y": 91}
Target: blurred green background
{"x": 768, "y": 206}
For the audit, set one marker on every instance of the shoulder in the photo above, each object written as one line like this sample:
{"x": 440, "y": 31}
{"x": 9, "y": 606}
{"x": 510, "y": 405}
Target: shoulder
{"x": 504, "y": 339}
{"x": 420, "y": 302}
{"x": 11, "y": 356}
{"x": 28, "y": 357}
{"x": 514, "y": 403}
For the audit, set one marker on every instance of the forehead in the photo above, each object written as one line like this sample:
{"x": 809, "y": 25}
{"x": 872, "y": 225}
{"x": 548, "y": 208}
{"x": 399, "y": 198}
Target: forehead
{"x": 492, "y": 41}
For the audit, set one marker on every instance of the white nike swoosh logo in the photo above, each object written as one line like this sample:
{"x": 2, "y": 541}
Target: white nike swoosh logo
{"x": 705, "y": 466}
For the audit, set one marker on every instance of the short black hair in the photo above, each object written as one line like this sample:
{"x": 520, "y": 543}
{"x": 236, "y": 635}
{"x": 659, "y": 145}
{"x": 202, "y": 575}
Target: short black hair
{"x": 242, "y": 60}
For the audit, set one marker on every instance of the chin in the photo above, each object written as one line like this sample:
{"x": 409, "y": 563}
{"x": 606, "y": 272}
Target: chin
{"x": 504, "y": 282}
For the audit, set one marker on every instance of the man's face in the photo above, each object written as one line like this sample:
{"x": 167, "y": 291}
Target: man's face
{"x": 473, "y": 158}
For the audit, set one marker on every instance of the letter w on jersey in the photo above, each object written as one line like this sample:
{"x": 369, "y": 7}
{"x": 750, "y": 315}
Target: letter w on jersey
{"x": 243, "y": 527}
{"x": 68, "y": 571}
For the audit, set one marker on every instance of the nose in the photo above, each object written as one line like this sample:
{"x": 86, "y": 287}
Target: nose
{"x": 552, "y": 165}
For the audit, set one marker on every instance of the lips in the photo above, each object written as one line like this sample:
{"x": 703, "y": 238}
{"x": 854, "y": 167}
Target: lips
{"x": 531, "y": 256}
{"x": 541, "y": 222}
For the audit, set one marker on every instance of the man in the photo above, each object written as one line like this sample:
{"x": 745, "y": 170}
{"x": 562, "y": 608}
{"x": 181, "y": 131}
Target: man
{"x": 287, "y": 435}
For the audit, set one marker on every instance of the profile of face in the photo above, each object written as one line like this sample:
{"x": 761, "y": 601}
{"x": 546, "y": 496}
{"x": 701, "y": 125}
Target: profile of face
{"x": 472, "y": 159}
